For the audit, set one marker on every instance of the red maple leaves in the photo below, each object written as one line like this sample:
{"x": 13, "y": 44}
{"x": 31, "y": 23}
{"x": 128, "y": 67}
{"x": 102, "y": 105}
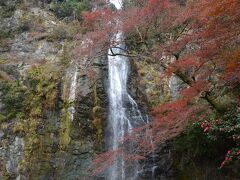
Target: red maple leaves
{"x": 202, "y": 36}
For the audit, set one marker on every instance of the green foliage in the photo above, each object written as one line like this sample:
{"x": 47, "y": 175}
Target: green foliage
{"x": 29, "y": 101}
{"x": 7, "y": 7}
{"x": 65, "y": 31}
{"x": 64, "y": 131}
{"x": 194, "y": 144}
{"x": 97, "y": 114}
{"x": 2, "y": 118}
{"x": 193, "y": 151}
{"x": 66, "y": 56}
{"x": 43, "y": 90}
{"x": 132, "y": 3}
{"x": 25, "y": 22}
{"x": 13, "y": 98}
{"x": 44, "y": 82}
{"x": 208, "y": 140}
{"x": 4, "y": 34}
{"x": 227, "y": 127}
{"x": 40, "y": 97}
{"x": 67, "y": 8}
{"x": 59, "y": 33}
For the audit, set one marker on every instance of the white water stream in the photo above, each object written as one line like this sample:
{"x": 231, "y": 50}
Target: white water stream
{"x": 124, "y": 113}
{"x": 72, "y": 93}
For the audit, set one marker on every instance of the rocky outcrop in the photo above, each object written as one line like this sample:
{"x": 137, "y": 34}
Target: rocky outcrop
{"x": 62, "y": 123}
{"x": 148, "y": 89}
{"x": 85, "y": 133}
{"x": 41, "y": 140}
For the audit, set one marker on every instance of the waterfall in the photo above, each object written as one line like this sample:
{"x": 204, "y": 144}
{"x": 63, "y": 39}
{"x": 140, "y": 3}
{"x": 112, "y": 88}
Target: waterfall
{"x": 124, "y": 113}
{"x": 72, "y": 93}
{"x": 117, "y": 3}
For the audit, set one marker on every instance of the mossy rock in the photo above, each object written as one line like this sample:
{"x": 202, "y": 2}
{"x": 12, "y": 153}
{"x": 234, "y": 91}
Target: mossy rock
{"x": 98, "y": 125}
{"x": 65, "y": 129}
{"x": 3, "y": 60}
{"x": 2, "y": 118}
{"x": 97, "y": 112}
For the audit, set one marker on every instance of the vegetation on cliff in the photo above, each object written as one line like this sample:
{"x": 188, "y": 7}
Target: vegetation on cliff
{"x": 197, "y": 41}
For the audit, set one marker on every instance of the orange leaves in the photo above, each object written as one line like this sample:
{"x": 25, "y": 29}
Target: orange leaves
{"x": 104, "y": 161}
{"x": 158, "y": 4}
{"x": 133, "y": 157}
{"x": 194, "y": 90}
{"x": 98, "y": 18}
{"x": 153, "y": 2}
{"x": 170, "y": 106}
{"x": 150, "y": 14}
{"x": 215, "y": 29}
{"x": 204, "y": 38}
{"x": 232, "y": 72}
{"x": 233, "y": 61}
{"x": 167, "y": 111}
{"x": 182, "y": 65}
{"x": 91, "y": 17}
{"x": 170, "y": 119}
{"x": 223, "y": 29}
{"x": 223, "y": 7}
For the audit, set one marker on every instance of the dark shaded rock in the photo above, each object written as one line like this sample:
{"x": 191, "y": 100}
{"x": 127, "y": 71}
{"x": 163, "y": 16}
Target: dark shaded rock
{"x": 159, "y": 165}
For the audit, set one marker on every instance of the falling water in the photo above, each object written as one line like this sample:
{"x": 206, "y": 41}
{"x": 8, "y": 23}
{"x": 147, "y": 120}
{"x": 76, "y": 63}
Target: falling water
{"x": 124, "y": 112}
{"x": 72, "y": 93}
{"x": 117, "y": 3}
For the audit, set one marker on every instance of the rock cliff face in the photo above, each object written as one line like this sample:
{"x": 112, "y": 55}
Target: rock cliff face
{"x": 42, "y": 135}
{"x": 56, "y": 123}
{"x": 148, "y": 89}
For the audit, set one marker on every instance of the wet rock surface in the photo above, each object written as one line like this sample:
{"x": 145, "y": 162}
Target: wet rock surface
{"x": 160, "y": 164}
{"x": 65, "y": 146}
{"x": 58, "y": 148}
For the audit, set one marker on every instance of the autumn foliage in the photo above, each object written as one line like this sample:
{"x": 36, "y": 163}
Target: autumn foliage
{"x": 203, "y": 37}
